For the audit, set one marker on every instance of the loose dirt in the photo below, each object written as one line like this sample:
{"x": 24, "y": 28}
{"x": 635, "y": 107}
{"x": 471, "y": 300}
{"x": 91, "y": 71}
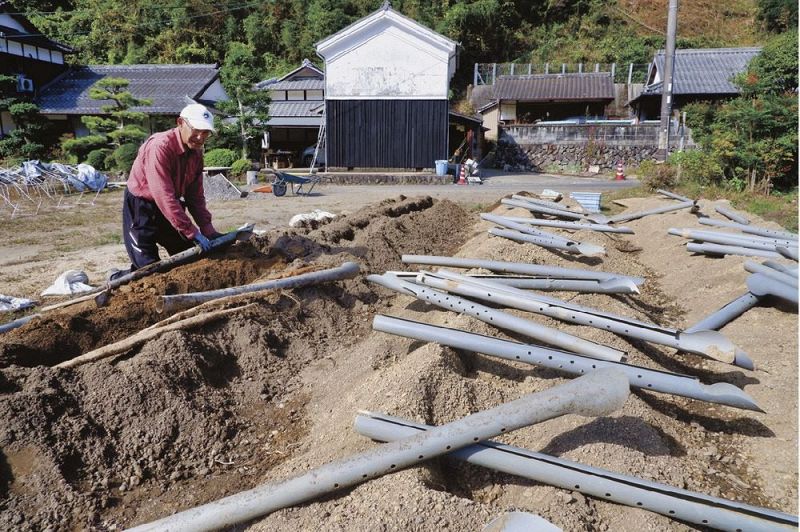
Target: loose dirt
{"x": 198, "y": 414}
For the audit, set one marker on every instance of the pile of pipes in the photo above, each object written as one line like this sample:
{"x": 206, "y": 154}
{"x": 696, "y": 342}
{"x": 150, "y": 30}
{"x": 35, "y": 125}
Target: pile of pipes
{"x": 751, "y": 240}
{"x": 522, "y": 229}
{"x": 600, "y": 387}
{"x": 26, "y": 189}
{"x": 572, "y": 356}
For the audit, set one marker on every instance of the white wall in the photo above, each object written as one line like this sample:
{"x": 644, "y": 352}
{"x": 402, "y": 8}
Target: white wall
{"x": 389, "y": 64}
{"x": 215, "y": 92}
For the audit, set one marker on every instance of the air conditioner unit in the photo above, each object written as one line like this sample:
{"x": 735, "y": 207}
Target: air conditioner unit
{"x": 24, "y": 84}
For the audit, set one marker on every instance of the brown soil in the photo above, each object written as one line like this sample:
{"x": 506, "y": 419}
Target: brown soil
{"x": 198, "y": 414}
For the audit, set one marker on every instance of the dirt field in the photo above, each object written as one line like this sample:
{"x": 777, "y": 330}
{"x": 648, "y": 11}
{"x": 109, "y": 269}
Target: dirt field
{"x": 270, "y": 391}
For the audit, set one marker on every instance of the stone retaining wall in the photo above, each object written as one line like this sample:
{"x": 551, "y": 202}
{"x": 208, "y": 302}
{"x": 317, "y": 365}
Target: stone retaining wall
{"x": 577, "y": 146}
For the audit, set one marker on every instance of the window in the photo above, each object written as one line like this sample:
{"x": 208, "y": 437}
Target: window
{"x": 295, "y": 95}
{"x": 278, "y": 96}
{"x": 29, "y": 51}
{"x": 56, "y": 57}
{"x": 314, "y": 95}
{"x": 43, "y": 54}
{"x": 14, "y": 48}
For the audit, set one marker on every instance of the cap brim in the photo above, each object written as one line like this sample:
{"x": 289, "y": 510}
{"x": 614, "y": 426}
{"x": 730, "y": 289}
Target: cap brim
{"x": 203, "y": 125}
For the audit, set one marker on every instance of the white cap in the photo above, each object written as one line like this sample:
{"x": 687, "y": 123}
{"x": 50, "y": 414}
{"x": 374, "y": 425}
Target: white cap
{"x": 198, "y": 116}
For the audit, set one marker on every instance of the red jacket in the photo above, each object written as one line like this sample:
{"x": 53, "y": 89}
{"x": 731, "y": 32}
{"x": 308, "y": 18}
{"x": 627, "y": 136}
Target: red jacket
{"x": 163, "y": 172}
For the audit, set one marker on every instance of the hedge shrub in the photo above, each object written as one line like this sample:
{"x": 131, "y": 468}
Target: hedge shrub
{"x": 240, "y": 166}
{"x": 219, "y": 157}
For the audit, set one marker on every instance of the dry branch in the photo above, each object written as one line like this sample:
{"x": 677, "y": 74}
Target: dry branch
{"x": 145, "y": 335}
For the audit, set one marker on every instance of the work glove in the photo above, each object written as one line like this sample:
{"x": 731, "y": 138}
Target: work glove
{"x": 203, "y": 242}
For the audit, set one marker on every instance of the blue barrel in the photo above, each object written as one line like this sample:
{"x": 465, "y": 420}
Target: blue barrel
{"x": 441, "y": 167}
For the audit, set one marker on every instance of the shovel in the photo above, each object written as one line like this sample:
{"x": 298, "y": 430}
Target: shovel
{"x": 240, "y": 235}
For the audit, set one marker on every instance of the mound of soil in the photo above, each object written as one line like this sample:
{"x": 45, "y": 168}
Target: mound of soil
{"x": 192, "y": 415}
{"x": 270, "y": 391}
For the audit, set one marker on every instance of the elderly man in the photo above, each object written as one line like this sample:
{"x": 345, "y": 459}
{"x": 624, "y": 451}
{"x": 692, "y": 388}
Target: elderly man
{"x": 165, "y": 180}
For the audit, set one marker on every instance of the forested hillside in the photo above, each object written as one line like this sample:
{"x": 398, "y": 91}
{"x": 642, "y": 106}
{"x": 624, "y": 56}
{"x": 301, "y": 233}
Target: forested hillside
{"x": 280, "y": 33}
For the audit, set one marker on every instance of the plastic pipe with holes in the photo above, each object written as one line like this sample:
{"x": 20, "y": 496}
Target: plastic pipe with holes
{"x": 710, "y": 344}
{"x": 520, "y": 268}
{"x": 647, "y": 379}
{"x": 689, "y": 506}
{"x": 596, "y": 394}
{"x": 498, "y": 318}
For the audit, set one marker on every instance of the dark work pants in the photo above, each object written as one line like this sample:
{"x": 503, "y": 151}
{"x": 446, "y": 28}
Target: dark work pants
{"x": 144, "y": 226}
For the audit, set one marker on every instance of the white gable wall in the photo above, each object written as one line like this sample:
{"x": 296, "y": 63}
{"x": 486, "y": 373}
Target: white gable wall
{"x": 390, "y": 64}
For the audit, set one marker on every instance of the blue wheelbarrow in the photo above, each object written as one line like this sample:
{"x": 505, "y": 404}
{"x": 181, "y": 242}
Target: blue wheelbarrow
{"x": 296, "y": 183}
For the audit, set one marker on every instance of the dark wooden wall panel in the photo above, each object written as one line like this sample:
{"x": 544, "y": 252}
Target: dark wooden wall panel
{"x": 386, "y": 133}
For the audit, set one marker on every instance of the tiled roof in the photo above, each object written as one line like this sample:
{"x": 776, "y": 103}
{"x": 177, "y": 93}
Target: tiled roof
{"x": 295, "y": 108}
{"x": 704, "y": 71}
{"x": 297, "y": 85}
{"x": 166, "y": 85}
{"x": 558, "y": 87}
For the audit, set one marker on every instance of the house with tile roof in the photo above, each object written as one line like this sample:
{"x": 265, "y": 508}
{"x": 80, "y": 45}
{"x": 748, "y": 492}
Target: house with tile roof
{"x": 295, "y": 110}
{"x": 169, "y": 87}
{"x": 700, "y": 74}
{"x": 527, "y": 99}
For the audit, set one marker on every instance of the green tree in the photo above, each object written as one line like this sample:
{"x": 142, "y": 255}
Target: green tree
{"x": 754, "y": 137}
{"x": 778, "y": 15}
{"x": 250, "y": 107}
{"x": 114, "y": 134}
{"x": 26, "y": 140}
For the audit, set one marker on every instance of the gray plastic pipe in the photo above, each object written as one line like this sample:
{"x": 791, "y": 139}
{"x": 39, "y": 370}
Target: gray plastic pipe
{"x": 523, "y": 228}
{"x": 597, "y": 394}
{"x": 545, "y": 203}
{"x": 570, "y": 226}
{"x": 781, "y": 267}
{"x": 609, "y": 286}
{"x": 754, "y": 267}
{"x": 517, "y": 267}
{"x": 726, "y": 314}
{"x": 625, "y": 217}
{"x": 749, "y": 241}
{"x": 672, "y": 195}
{"x": 500, "y": 319}
{"x": 675, "y": 503}
{"x": 788, "y": 252}
{"x": 19, "y": 322}
{"x": 347, "y": 270}
{"x": 734, "y": 217}
{"x": 553, "y": 242}
{"x": 761, "y": 285}
{"x": 719, "y": 249}
{"x": 710, "y": 344}
{"x": 646, "y": 379}
{"x": 533, "y": 207}
{"x": 749, "y": 229}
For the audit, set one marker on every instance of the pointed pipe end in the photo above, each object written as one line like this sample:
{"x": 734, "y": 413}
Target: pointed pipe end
{"x": 741, "y": 359}
{"x": 728, "y": 394}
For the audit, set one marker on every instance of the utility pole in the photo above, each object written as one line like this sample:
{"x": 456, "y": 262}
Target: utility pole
{"x": 666, "y": 84}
